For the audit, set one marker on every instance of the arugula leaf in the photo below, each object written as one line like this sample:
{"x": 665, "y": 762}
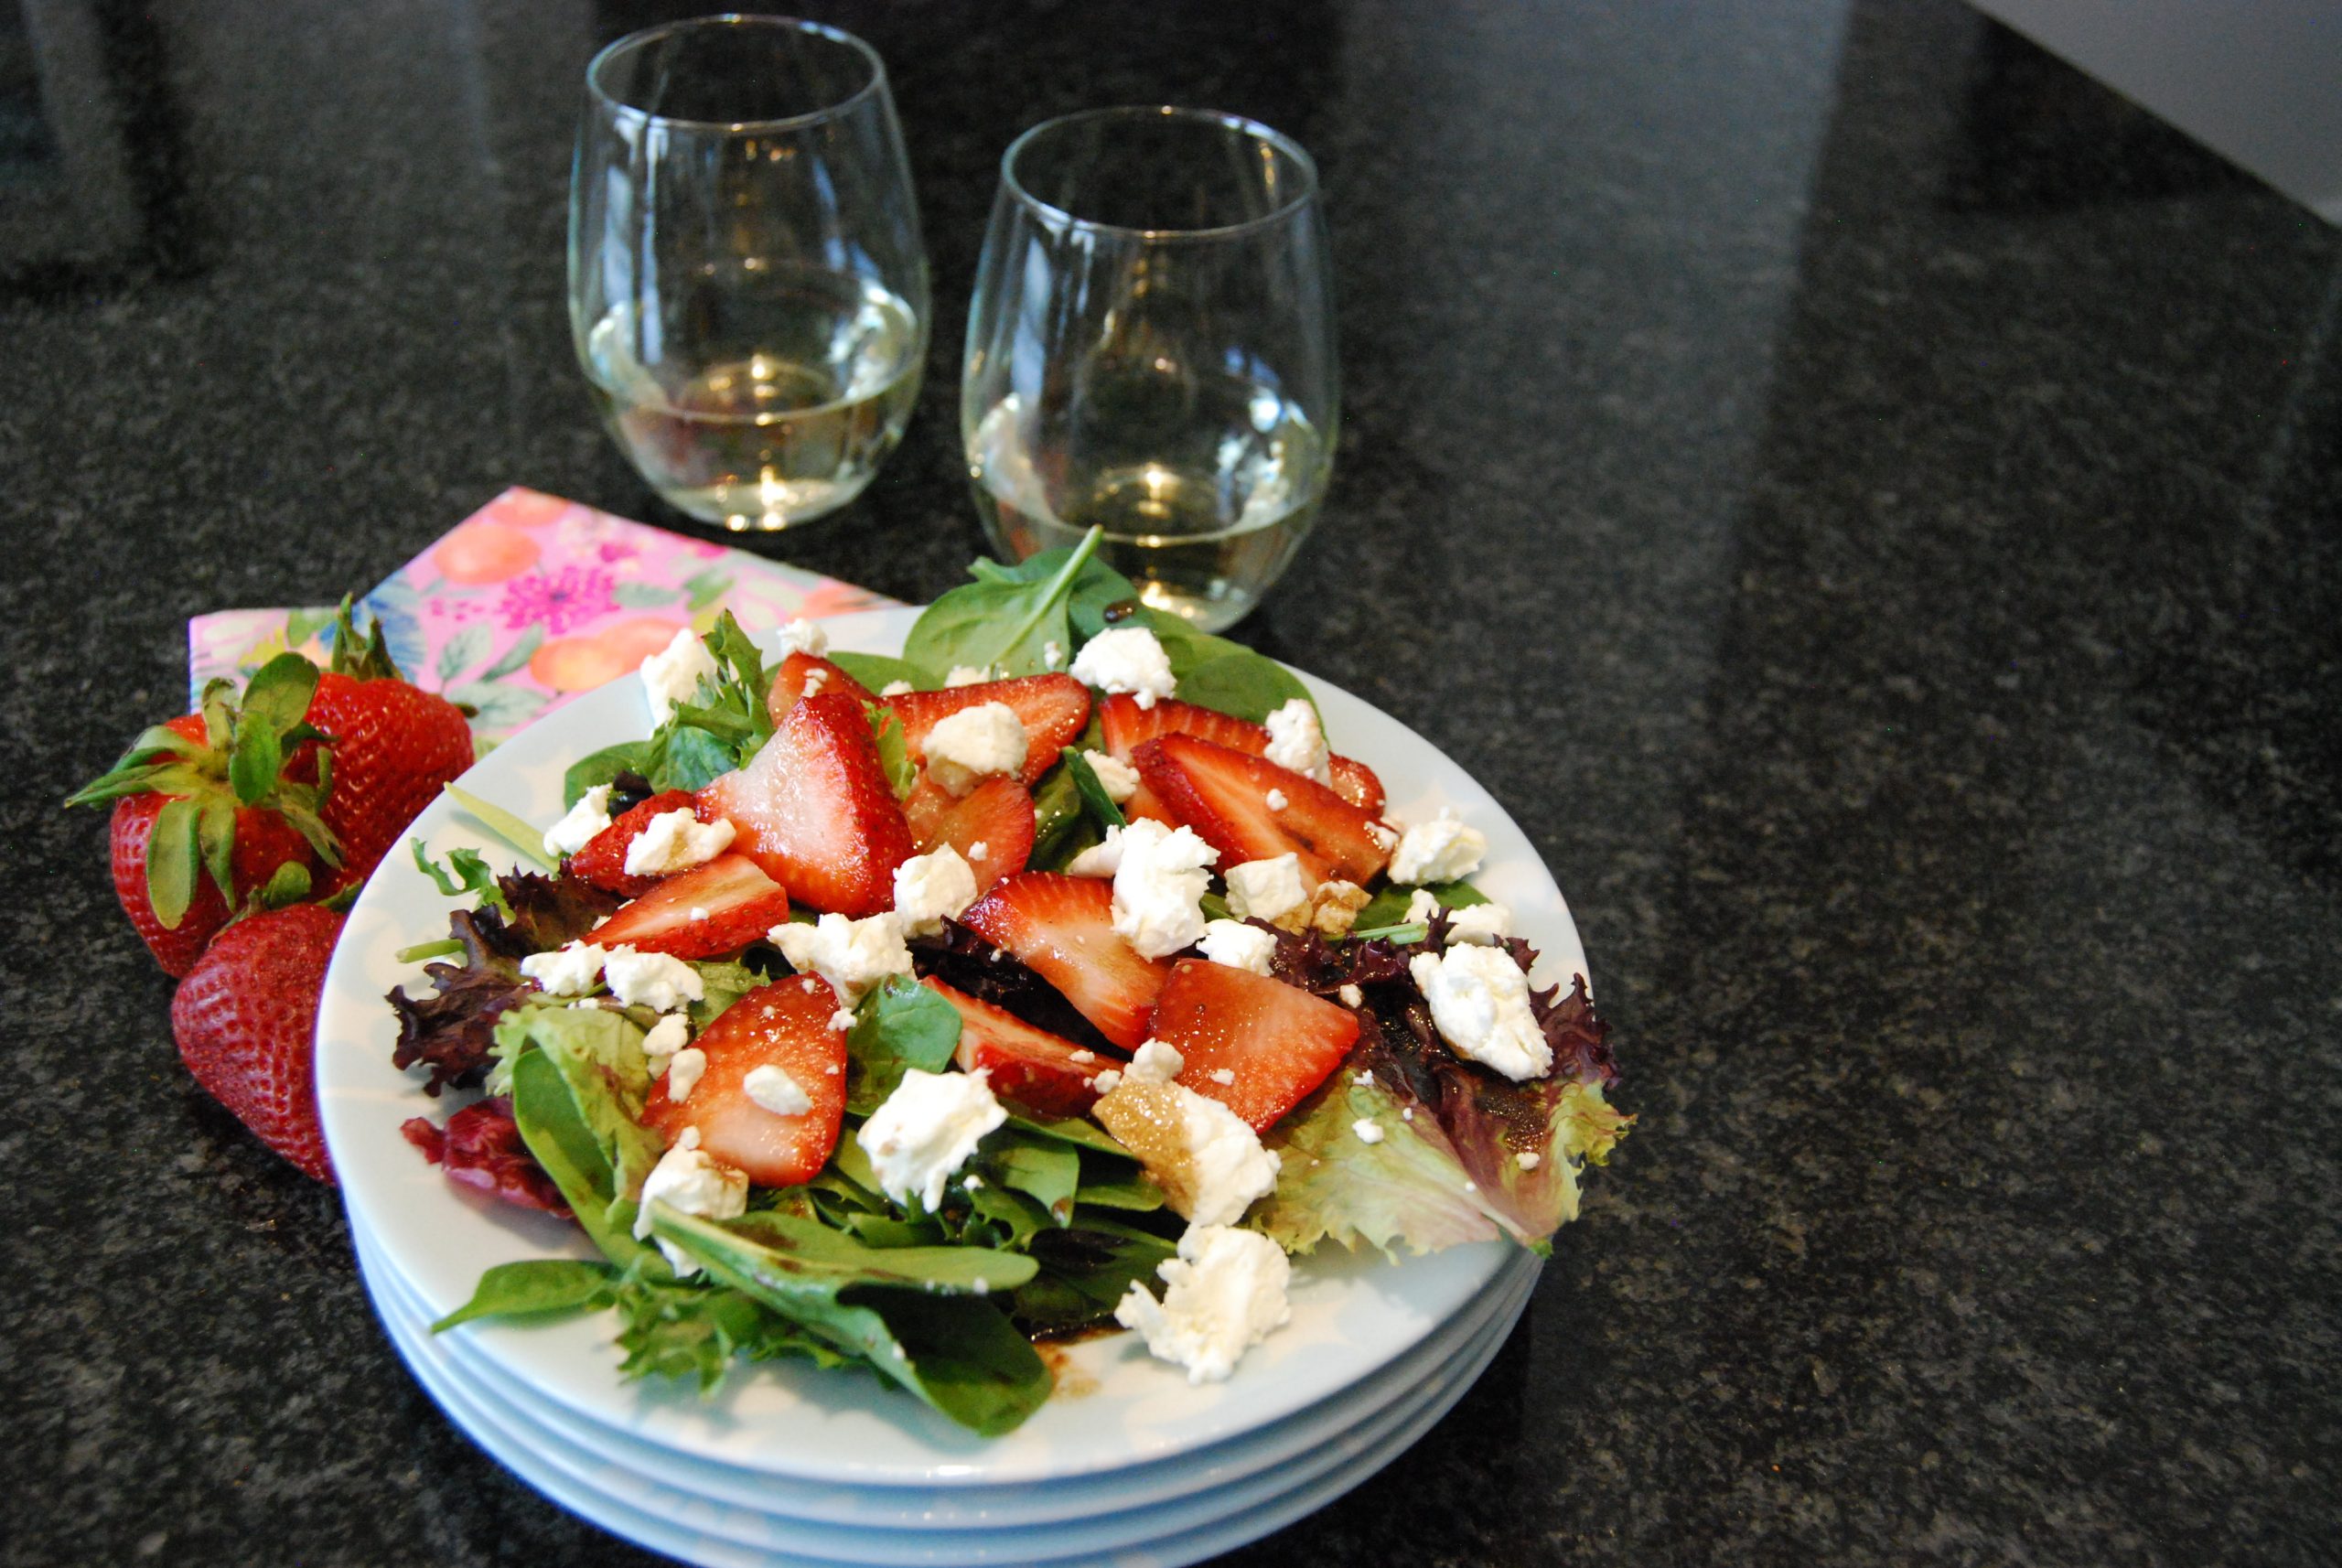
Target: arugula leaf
{"x": 702, "y": 740}
{"x": 471, "y": 874}
{"x": 900, "y": 1024}
{"x": 539, "y": 1288}
{"x": 916, "y": 1315}
{"x": 1006, "y": 619}
{"x": 877, "y": 671}
{"x": 671, "y": 1328}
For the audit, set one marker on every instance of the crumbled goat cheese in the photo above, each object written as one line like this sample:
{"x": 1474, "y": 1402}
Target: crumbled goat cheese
{"x": 1156, "y": 1061}
{"x": 1529, "y": 1159}
{"x": 1107, "y": 1081}
{"x": 1223, "y": 1075}
{"x": 1052, "y": 655}
{"x": 689, "y": 1181}
{"x": 1351, "y": 997}
{"x": 1421, "y": 905}
{"x": 676, "y": 840}
{"x": 980, "y": 851}
{"x": 1225, "y": 1292}
{"x": 1382, "y": 836}
{"x": 1479, "y": 1003}
{"x": 1366, "y": 1131}
{"x": 966, "y": 675}
{"x": 772, "y": 1089}
{"x": 652, "y": 979}
{"x": 684, "y": 1070}
{"x": 570, "y": 972}
{"x": 1488, "y": 924}
{"x": 673, "y": 674}
{"x": 984, "y": 741}
{"x": 668, "y": 1036}
{"x": 930, "y": 888}
{"x": 1277, "y": 801}
{"x": 1266, "y": 890}
{"x": 1298, "y": 742}
{"x": 1440, "y": 850}
{"x": 1126, "y": 658}
{"x": 800, "y": 636}
{"x": 1226, "y": 1166}
{"x": 896, "y": 689}
{"x": 1159, "y": 886}
{"x": 1101, "y": 859}
{"x": 1237, "y": 945}
{"x": 926, "y": 1130}
{"x": 852, "y": 955}
{"x": 590, "y": 816}
{"x": 1117, "y": 777}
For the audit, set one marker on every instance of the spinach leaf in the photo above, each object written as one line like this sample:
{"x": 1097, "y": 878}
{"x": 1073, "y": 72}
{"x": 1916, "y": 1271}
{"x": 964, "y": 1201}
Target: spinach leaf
{"x": 603, "y": 767}
{"x": 1386, "y": 910}
{"x": 597, "y": 1055}
{"x": 539, "y": 1288}
{"x": 877, "y": 671}
{"x": 900, "y": 1024}
{"x": 1094, "y": 799}
{"x": 566, "y": 1146}
{"x": 1086, "y": 1268}
{"x": 1043, "y": 1168}
{"x": 722, "y": 982}
{"x": 1062, "y": 825}
{"x": 1006, "y": 619}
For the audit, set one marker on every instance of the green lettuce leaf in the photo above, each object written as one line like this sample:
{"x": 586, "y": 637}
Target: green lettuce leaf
{"x": 539, "y": 1288}
{"x": 1006, "y": 619}
{"x": 899, "y": 1025}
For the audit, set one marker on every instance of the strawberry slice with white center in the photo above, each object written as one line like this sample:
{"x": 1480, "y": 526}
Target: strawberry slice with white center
{"x": 1224, "y": 795}
{"x": 992, "y": 826}
{"x": 717, "y": 907}
{"x": 814, "y": 809}
{"x": 1256, "y": 1044}
{"x": 797, "y": 672}
{"x": 602, "y": 860}
{"x": 784, "y": 1026}
{"x": 1054, "y": 709}
{"x": 1062, "y": 929}
{"x": 1047, "y": 1074}
{"x": 1126, "y": 725}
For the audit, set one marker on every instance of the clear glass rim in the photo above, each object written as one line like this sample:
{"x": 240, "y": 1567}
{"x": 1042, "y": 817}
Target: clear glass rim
{"x": 619, "y": 108}
{"x": 1252, "y": 129}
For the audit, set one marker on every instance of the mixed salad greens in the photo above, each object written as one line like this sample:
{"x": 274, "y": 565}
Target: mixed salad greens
{"x": 1052, "y": 1221}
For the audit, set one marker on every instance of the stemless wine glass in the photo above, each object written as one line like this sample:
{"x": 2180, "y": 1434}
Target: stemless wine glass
{"x": 746, "y": 287}
{"x": 1150, "y": 350}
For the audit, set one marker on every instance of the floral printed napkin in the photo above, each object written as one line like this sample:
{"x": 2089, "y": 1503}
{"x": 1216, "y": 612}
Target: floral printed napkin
{"x": 530, "y": 600}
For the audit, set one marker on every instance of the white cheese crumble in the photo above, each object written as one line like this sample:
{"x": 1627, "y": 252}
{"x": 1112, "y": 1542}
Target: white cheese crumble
{"x": 1223, "y": 1075}
{"x": 1297, "y": 741}
{"x": 980, "y": 851}
{"x": 684, "y": 1070}
{"x": 1159, "y": 886}
{"x": 1126, "y": 658}
{"x": 852, "y": 955}
{"x": 983, "y": 741}
{"x": 690, "y": 1182}
{"x": 800, "y": 636}
{"x": 1365, "y": 1130}
{"x": 676, "y": 840}
{"x": 896, "y": 689}
{"x": 1488, "y": 924}
{"x": 654, "y": 980}
{"x": 966, "y": 675}
{"x": 772, "y": 1089}
{"x": 1224, "y": 1293}
{"x": 590, "y": 816}
{"x": 698, "y": 912}
{"x": 1266, "y": 890}
{"x": 668, "y": 1036}
{"x": 1529, "y": 1159}
{"x": 1421, "y": 905}
{"x": 570, "y": 970}
{"x": 1052, "y": 655}
{"x": 1101, "y": 859}
{"x": 1156, "y": 1061}
{"x": 931, "y": 888}
{"x": 1226, "y": 1163}
{"x": 1479, "y": 1003}
{"x": 842, "y": 1020}
{"x": 1277, "y": 799}
{"x": 1351, "y": 997}
{"x": 1237, "y": 945}
{"x": 673, "y": 674}
{"x": 1440, "y": 850}
{"x": 1382, "y": 836}
{"x": 1117, "y": 777}
{"x": 926, "y": 1130}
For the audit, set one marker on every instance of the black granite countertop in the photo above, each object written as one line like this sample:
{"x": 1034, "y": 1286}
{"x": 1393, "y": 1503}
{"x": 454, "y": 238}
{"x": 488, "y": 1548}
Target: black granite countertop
{"x": 1862, "y": 495}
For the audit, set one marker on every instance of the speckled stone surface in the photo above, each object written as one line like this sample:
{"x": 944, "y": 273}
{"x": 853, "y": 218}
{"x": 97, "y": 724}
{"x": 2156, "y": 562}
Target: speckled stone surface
{"x": 1866, "y": 500}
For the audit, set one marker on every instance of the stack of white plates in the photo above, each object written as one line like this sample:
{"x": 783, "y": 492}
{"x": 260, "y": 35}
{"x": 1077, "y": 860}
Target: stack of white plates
{"x": 786, "y": 1463}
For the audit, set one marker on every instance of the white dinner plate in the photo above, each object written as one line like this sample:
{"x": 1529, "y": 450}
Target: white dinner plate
{"x": 1352, "y": 1315}
{"x": 1281, "y": 1446}
{"x": 767, "y": 1522}
{"x": 697, "y": 1530}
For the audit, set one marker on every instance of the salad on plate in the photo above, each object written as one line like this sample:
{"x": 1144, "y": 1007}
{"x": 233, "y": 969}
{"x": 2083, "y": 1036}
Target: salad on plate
{"x": 1051, "y": 977}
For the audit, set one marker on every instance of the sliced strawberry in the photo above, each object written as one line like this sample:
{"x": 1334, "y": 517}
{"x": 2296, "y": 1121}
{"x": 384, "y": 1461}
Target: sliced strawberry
{"x": 1052, "y": 708}
{"x": 718, "y": 908}
{"x": 996, "y": 814}
{"x": 1062, "y": 927}
{"x": 1037, "y": 1070}
{"x": 602, "y": 861}
{"x": 1126, "y": 725}
{"x": 790, "y": 681}
{"x": 787, "y": 1026}
{"x": 1224, "y": 796}
{"x": 813, "y": 808}
{"x": 1274, "y": 1042}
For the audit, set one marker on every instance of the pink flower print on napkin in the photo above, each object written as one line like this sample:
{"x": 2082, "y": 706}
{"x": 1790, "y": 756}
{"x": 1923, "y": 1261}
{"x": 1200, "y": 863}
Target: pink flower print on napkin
{"x": 559, "y": 600}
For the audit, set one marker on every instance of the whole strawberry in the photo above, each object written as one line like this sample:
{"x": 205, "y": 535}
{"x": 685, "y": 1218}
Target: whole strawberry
{"x": 394, "y": 746}
{"x": 206, "y": 823}
{"x": 246, "y": 1019}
